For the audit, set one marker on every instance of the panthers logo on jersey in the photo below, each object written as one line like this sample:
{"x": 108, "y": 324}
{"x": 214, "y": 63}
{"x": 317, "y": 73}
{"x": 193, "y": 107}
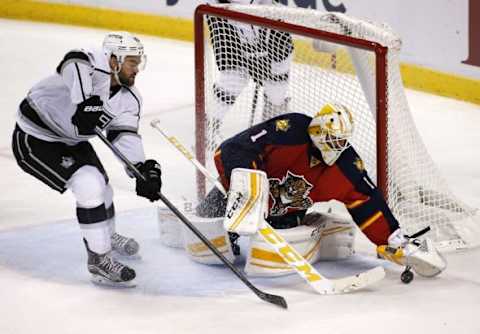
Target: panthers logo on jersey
{"x": 290, "y": 192}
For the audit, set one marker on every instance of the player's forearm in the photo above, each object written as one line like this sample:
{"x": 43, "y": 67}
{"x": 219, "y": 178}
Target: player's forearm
{"x": 129, "y": 142}
{"x": 373, "y": 216}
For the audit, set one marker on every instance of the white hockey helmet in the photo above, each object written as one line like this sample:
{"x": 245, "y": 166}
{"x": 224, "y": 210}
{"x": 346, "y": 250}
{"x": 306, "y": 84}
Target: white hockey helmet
{"x": 122, "y": 44}
{"x": 330, "y": 131}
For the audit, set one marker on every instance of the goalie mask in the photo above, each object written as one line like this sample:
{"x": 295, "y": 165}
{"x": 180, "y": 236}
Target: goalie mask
{"x": 122, "y": 44}
{"x": 330, "y": 130}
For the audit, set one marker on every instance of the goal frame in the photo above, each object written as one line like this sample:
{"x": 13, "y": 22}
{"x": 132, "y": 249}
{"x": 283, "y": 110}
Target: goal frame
{"x": 381, "y": 73}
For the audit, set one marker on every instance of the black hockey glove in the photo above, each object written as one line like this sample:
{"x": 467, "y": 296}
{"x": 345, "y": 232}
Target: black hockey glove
{"x": 150, "y": 187}
{"x": 87, "y": 115}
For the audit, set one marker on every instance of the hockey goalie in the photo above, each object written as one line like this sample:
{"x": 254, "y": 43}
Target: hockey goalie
{"x": 276, "y": 171}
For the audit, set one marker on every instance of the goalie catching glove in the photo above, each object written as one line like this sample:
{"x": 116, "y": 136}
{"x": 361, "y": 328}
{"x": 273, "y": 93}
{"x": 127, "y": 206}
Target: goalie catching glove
{"x": 150, "y": 187}
{"x": 247, "y": 204}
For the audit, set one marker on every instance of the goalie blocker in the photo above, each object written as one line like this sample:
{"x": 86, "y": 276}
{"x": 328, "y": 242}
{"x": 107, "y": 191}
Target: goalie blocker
{"x": 247, "y": 204}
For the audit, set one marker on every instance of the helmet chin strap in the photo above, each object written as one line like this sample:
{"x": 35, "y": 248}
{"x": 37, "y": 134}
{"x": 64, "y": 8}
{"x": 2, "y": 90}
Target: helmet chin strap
{"x": 116, "y": 71}
{"x": 117, "y": 79}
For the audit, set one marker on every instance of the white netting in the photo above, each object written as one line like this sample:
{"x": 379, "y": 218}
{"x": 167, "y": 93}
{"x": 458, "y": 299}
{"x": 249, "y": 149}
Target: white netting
{"x": 253, "y": 73}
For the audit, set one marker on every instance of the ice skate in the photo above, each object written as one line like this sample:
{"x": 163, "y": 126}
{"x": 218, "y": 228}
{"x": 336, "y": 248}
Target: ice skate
{"x": 109, "y": 272}
{"x": 123, "y": 245}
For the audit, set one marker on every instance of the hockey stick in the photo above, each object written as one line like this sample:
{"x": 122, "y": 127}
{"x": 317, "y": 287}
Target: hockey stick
{"x": 290, "y": 255}
{"x": 254, "y": 103}
{"x": 274, "y": 299}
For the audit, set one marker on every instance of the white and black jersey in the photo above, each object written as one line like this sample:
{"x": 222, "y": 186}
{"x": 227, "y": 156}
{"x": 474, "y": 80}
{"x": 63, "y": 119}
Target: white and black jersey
{"x": 255, "y": 49}
{"x": 123, "y": 129}
{"x": 46, "y": 113}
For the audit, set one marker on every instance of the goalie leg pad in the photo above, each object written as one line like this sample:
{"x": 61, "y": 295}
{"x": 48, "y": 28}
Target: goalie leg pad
{"x": 337, "y": 235}
{"x": 212, "y": 229}
{"x": 170, "y": 228}
{"x": 173, "y": 233}
{"x": 331, "y": 238}
{"x": 247, "y": 203}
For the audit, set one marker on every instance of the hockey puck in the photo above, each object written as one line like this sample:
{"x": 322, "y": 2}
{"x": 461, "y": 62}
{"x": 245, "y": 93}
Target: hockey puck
{"x": 406, "y": 277}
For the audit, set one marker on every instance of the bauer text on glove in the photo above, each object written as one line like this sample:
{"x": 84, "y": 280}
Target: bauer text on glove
{"x": 87, "y": 115}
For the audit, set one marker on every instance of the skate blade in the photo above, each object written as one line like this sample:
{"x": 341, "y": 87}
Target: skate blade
{"x": 122, "y": 256}
{"x": 102, "y": 281}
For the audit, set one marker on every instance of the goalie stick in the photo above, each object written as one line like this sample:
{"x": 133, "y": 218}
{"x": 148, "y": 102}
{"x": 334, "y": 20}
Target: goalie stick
{"x": 274, "y": 299}
{"x": 290, "y": 255}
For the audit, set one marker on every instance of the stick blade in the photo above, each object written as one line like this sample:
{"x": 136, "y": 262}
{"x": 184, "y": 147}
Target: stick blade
{"x": 154, "y": 123}
{"x": 273, "y": 299}
{"x": 358, "y": 281}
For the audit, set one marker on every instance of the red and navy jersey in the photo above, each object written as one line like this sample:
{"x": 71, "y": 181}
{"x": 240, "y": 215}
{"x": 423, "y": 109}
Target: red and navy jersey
{"x": 298, "y": 176}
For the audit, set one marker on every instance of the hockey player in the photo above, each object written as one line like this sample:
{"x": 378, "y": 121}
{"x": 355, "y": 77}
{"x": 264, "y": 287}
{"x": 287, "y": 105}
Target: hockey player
{"x": 308, "y": 160}
{"x": 243, "y": 52}
{"x": 92, "y": 88}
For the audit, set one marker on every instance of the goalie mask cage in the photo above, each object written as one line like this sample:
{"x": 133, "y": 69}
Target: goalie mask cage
{"x": 335, "y": 58}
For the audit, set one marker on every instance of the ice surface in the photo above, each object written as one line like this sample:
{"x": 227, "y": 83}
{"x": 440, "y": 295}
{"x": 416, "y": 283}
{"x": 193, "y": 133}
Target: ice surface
{"x": 44, "y": 286}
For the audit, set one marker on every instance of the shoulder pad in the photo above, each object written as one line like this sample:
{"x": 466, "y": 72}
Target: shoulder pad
{"x": 74, "y": 56}
{"x": 290, "y": 128}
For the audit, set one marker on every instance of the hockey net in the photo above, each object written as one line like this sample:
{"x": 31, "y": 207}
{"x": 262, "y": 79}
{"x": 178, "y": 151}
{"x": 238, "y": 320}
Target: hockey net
{"x": 335, "y": 58}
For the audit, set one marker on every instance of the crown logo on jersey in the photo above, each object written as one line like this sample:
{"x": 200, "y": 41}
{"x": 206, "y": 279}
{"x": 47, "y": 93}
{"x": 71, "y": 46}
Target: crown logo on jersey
{"x": 67, "y": 162}
{"x": 282, "y": 125}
